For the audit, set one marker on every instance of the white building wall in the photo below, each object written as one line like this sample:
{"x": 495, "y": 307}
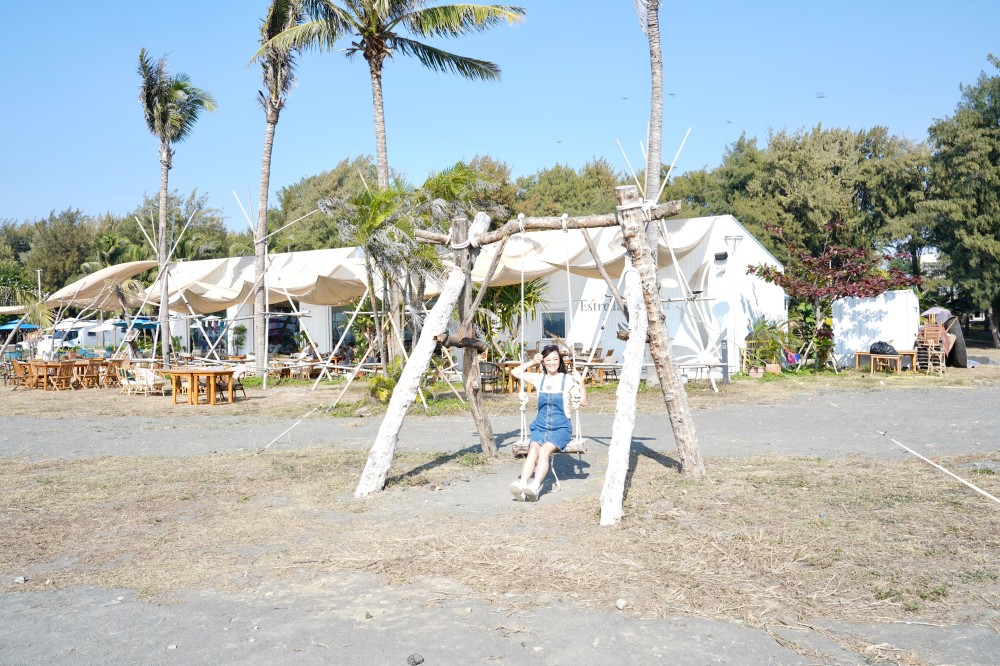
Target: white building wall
{"x": 892, "y": 317}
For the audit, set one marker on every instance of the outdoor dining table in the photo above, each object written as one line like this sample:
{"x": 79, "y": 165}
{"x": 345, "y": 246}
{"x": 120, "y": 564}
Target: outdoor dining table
{"x": 511, "y": 382}
{"x": 193, "y": 373}
{"x": 45, "y": 370}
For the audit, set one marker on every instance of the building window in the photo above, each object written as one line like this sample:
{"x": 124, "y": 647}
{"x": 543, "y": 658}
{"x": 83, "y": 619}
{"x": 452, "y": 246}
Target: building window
{"x": 553, "y": 324}
{"x": 339, "y": 319}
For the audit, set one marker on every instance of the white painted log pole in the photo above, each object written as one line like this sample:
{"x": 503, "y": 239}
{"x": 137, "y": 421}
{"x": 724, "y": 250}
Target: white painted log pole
{"x": 628, "y": 386}
{"x": 380, "y": 456}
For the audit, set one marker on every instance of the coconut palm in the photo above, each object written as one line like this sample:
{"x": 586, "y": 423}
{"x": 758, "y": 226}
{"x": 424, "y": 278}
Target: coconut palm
{"x": 278, "y": 74}
{"x": 171, "y": 106}
{"x": 499, "y": 315}
{"x": 375, "y": 28}
{"x": 381, "y": 223}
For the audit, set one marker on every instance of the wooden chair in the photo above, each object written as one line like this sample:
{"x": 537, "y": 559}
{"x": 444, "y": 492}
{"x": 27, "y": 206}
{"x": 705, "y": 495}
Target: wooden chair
{"x": 490, "y": 374}
{"x": 24, "y": 375}
{"x": 90, "y": 376}
{"x": 64, "y": 378}
{"x": 930, "y": 349}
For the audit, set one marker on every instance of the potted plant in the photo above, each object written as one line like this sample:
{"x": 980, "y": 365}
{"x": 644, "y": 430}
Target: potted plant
{"x": 765, "y": 346}
{"x": 239, "y": 337}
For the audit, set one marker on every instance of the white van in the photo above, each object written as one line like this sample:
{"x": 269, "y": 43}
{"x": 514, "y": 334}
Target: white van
{"x": 81, "y": 334}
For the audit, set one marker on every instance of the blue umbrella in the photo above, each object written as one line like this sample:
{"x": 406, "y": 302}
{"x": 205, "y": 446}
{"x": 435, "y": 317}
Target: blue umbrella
{"x": 10, "y": 326}
{"x": 139, "y": 323}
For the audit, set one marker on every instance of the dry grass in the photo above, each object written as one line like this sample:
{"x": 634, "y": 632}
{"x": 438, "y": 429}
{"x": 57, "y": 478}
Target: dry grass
{"x": 767, "y": 541}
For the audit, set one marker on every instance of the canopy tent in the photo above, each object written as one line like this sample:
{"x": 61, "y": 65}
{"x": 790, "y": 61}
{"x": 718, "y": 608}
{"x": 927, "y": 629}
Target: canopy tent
{"x": 322, "y": 277}
{"x": 10, "y": 326}
{"x": 542, "y": 253}
{"x": 96, "y": 290}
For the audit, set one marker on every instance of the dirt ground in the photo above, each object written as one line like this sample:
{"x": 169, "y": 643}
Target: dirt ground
{"x": 134, "y": 530}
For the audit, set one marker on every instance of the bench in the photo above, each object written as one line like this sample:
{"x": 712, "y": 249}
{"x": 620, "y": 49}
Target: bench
{"x": 885, "y": 361}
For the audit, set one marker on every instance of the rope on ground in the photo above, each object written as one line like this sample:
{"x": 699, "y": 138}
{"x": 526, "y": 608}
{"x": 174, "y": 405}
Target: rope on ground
{"x": 883, "y": 433}
{"x": 292, "y": 427}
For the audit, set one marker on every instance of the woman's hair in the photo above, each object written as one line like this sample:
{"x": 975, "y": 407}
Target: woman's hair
{"x": 548, "y": 349}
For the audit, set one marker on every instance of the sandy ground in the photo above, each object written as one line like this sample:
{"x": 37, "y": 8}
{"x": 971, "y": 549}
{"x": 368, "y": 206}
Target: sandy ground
{"x": 362, "y": 618}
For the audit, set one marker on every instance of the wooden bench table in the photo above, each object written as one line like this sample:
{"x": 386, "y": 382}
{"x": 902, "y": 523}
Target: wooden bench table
{"x": 898, "y": 359}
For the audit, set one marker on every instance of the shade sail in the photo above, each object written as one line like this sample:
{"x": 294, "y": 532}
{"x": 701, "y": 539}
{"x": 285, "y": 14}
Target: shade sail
{"x": 321, "y": 277}
{"x": 95, "y": 290}
{"x": 10, "y": 326}
{"x": 540, "y": 253}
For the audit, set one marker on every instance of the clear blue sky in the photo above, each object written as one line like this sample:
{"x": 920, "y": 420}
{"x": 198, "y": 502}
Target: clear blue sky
{"x": 575, "y": 80}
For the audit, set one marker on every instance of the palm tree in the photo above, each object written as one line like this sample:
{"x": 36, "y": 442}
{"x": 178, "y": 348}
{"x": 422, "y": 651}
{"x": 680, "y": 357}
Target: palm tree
{"x": 381, "y": 223}
{"x": 499, "y": 315}
{"x": 375, "y": 29}
{"x": 278, "y": 75}
{"x": 171, "y": 106}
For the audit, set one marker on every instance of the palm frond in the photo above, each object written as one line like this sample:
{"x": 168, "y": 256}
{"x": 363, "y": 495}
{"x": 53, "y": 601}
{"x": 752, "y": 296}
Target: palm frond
{"x": 458, "y": 20}
{"x": 443, "y": 61}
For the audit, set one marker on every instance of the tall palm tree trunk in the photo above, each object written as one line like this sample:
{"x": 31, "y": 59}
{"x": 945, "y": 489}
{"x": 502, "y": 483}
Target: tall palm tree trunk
{"x": 382, "y": 155}
{"x": 655, "y": 132}
{"x": 260, "y": 249}
{"x": 653, "y": 150}
{"x": 162, "y": 249}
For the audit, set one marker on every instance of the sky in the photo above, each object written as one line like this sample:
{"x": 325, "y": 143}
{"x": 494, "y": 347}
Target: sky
{"x": 575, "y": 85}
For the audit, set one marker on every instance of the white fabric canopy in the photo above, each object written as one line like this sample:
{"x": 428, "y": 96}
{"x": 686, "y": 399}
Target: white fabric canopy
{"x": 95, "y": 290}
{"x": 336, "y": 276}
{"x": 321, "y": 277}
{"x": 544, "y": 252}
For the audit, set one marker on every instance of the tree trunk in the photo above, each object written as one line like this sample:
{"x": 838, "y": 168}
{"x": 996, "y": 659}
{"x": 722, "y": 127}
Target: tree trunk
{"x": 674, "y": 394}
{"x": 628, "y": 386}
{"x": 380, "y": 456}
{"x": 382, "y": 155}
{"x": 655, "y": 133}
{"x": 260, "y": 251}
{"x": 162, "y": 249}
{"x": 465, "y": 258}
{"x": 654, "y": 149}
{"x": 991, "y": 319}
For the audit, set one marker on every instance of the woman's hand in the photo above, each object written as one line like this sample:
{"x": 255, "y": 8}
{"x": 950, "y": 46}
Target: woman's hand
{"x": 537, "y": 358}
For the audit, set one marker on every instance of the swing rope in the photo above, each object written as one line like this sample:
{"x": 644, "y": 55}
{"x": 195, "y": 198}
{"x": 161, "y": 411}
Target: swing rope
{"x": 522, "y": 394}
{"x": 577, "y": 442}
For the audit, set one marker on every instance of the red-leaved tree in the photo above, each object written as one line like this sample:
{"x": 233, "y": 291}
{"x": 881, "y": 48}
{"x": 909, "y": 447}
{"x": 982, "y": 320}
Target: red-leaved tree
{"x": 836, "y": 272}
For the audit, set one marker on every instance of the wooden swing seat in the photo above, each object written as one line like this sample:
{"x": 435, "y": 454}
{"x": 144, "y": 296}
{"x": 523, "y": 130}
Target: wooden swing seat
{"x": 578, "y": 446}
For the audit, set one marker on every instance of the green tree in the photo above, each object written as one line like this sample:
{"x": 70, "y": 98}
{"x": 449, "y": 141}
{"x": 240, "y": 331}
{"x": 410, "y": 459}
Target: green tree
{"x": 59, "y": 247}
{"x": 561, "y": 189}
{"x": 964, "y": 205}
{"x": 298, "y": 203}
{"x": 376, "y": 30}
{"x": 171, "y": 106}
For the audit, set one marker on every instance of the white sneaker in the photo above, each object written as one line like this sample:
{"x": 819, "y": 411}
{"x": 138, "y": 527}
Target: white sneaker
{"x": 517, "y": 490}
{"x": 531, "y": 492}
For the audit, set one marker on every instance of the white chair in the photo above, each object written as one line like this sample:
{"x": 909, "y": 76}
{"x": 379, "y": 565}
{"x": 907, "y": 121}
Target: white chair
{"x": 148, "y": 382}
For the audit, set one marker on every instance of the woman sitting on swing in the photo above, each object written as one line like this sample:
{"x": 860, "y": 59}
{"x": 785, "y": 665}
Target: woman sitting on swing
{"x": 552, "y": 429}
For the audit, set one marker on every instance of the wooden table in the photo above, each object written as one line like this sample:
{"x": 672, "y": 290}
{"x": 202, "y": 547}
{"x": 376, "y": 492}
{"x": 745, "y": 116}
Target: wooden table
{"x": 511, "y": 382}
{"x": 193, "y": 374}
{"x": 42, "y": 369}
{"x": 899, "y": 356}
